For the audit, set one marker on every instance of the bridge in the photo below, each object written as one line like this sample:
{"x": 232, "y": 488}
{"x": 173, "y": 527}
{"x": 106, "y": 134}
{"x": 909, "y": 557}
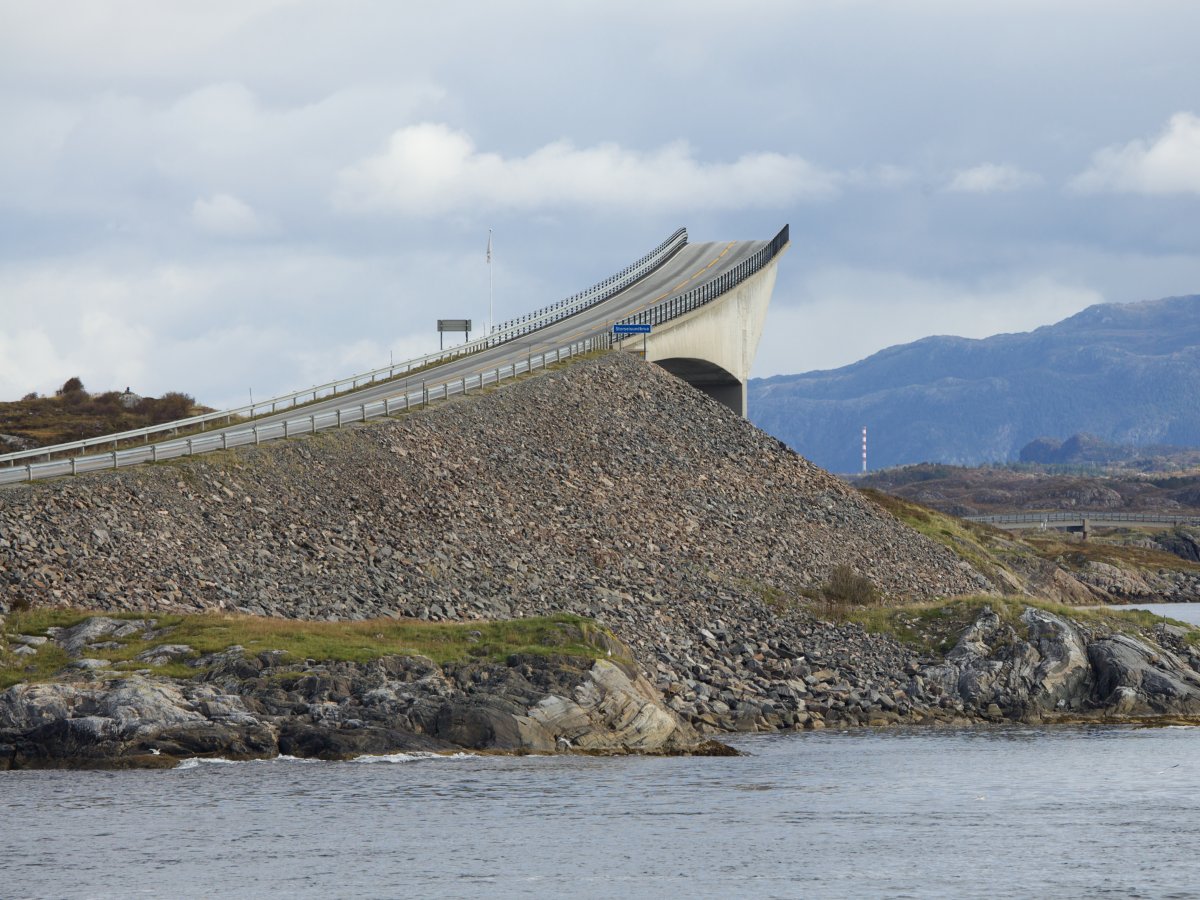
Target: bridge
{"x": 1082, "y": 522}
{"x": 704, "y": 303}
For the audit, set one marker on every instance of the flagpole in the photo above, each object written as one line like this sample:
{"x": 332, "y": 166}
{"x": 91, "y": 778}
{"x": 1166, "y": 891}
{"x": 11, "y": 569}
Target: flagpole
{"x": 491, "y": 317}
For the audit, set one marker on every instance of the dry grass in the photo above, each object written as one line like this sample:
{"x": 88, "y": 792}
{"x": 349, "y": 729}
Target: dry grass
{"x": 443, "y": 642}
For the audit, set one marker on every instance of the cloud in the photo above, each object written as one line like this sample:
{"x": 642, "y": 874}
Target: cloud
{"x": 991, "y": 178}
{"x": 431, "y": 169}
{"x": 1168, "y": 165}
{"x": 225, "y": 215}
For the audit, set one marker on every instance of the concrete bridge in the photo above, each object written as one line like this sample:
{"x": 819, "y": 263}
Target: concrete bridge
{"x": 1082, "y": 522}
{"x": 712, "y": 347}
{"x": 704, "y": 304}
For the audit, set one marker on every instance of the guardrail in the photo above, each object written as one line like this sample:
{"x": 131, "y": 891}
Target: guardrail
{"x": 1036, "y": 518}
{"x": 510, "y": 331}
{"x": 293, "y": 427}
{"x": 710, "y": 290}
{"x": 597, "y": 293}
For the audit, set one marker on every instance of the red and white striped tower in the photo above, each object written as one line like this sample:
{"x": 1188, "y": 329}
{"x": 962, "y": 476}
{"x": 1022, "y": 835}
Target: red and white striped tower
{"x": 864, "y": 448}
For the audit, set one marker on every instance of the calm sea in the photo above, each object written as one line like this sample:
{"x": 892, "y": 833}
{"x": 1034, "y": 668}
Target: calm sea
{"x": 995, "y": 812}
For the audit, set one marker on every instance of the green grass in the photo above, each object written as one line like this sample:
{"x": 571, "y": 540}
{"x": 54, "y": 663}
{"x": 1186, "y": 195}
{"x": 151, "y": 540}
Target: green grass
{"x": 982, "y": 546}
{"x": 443, "y": 642}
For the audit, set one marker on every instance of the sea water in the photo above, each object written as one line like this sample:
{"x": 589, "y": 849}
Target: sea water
{"x": 983, "y": 812}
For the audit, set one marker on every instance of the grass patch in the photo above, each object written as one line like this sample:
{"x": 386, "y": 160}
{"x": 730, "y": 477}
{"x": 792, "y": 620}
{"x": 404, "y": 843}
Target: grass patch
{"x": 983, "y": 546}
{"x": 443, "y": 642}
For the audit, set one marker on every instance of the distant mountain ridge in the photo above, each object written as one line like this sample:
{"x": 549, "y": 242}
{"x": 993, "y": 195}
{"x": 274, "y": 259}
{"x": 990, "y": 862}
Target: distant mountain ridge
{"x": 1126, "y": 373}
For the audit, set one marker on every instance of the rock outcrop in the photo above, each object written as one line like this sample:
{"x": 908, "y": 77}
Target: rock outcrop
{"x": 1061, "y": 669}
{"x": 243, "y": 705}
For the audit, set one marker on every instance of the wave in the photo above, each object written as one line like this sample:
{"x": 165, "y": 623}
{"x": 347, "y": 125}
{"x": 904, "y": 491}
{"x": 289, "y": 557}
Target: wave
{"x": 414, "y": 756}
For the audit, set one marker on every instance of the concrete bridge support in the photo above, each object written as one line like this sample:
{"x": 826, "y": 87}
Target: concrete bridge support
{"x": 712, "y": 348}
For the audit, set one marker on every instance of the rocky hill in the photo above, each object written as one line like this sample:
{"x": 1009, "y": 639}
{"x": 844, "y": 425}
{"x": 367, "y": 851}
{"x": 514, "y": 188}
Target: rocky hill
{"x": 607, "y": 478}
{"x": 73, "y": 414}
{"x": 1127, "y": 374}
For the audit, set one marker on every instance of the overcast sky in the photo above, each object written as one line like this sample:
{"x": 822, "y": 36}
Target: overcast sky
{"x": 264, "y": 194}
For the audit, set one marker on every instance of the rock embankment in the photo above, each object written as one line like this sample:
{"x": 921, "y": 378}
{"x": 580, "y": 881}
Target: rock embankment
{"x": 608, "y": 490}
{"x": 607, "y": 477}
{"x": 1056, "y": 668}
{"x": 244, "y": 705}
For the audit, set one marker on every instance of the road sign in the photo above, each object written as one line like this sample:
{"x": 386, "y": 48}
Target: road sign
{"x": 631, "y": 329}
{"x": 463, "y": 325}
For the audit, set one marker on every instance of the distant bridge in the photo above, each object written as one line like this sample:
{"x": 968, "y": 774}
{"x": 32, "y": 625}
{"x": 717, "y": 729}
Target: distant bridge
{"x": 1081, "y": 522}
{"x": 705, "y": 304}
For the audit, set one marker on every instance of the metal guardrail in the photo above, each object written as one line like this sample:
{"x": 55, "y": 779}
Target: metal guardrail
{"x": 509, "y": 331}
{"x": 597, "y": 293}
{"x": 1036, "y": 518}
{"x": 405, "y": 400}
{"x": 710, "y": 290}
{"x": 293, "y": 427}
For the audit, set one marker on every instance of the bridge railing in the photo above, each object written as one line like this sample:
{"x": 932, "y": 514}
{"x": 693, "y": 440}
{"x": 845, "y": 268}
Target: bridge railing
{"x": 1034, "y": 518}
{"x": 422, "y": 393}
{"x": 509, "y": 331}
{"x": 711, "y": 290}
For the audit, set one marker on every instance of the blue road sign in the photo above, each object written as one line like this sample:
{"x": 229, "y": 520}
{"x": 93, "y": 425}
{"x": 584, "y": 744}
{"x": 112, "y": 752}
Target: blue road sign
{"x": 631, "y": 329}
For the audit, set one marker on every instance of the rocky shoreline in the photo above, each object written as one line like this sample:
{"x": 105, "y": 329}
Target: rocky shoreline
{"x": 246, "y": 705}
{"x": 1041, "y": 668}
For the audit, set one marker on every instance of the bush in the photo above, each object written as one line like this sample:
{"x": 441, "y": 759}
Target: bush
{"x": 846, "y": 587}
{"x": 170, "y": 406}
{"x": 72, "y": 386}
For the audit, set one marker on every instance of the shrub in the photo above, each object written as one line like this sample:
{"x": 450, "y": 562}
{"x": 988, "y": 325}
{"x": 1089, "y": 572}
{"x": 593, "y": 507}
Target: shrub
{"x": 846, "y": 587}
{"x": 72, "y": 386}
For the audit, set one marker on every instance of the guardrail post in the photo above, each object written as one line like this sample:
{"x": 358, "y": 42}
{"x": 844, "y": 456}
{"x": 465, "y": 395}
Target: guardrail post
{"x": 189, "y": 446}
{"x": 73, "y": 469}
{"x": 424, "y": 394}
{"x": 154, "y": 452}
{"x": 312, "y": 421}
{"x": 339, "y": 418}
{"x": 114, "y": 456}
{"x": 224, "y": 440}
{"x": 285, "y": 428}
{"x": 255, "y": 435}
{"x": 363, "y": 407}
{"x": 28, "y": 472}
{"x": 387, "y": 406}
{"x": 464, "y": 385}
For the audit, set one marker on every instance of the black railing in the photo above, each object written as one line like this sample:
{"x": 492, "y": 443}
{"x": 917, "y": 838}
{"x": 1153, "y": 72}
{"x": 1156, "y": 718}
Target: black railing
{"x": 597, "y": 293}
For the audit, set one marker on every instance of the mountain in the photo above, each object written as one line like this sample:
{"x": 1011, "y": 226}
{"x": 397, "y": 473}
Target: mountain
{"x": 1125, "y": 373}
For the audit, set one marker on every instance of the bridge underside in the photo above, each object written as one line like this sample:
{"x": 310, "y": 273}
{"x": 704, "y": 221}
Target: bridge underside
{"x": 712, "y": 347}
{"x": 710, "y": 378}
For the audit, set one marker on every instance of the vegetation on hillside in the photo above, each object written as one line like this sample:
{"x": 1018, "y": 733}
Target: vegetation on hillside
{"x": 73, "y": 414}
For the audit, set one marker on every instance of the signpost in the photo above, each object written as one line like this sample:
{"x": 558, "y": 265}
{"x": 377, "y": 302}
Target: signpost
{"x": 444, "y": 325}
{"x": 622, "y": 329}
